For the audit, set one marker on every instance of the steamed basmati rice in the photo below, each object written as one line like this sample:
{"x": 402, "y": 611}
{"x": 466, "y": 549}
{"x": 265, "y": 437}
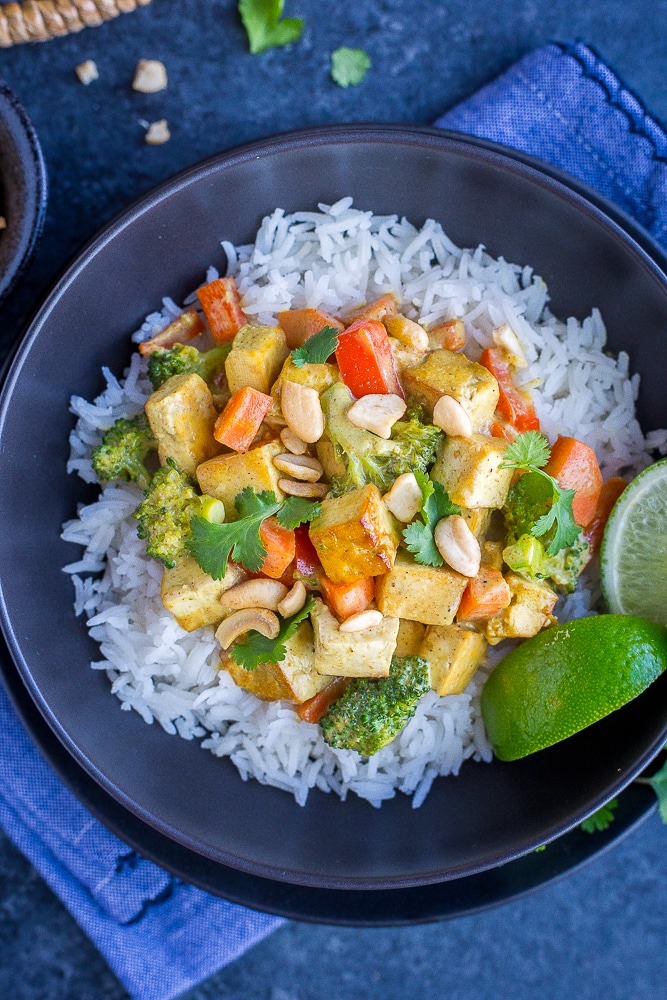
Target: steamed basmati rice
{"x": 334, "y": 259}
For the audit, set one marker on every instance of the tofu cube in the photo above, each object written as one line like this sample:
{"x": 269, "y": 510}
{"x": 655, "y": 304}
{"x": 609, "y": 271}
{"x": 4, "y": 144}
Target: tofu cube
{"x": 225, "y": 476}
{"x": 528, "y": 613}
{"x": 478, "y": 519}
{"x": 492, "y": 554}
{"x": 352, "y": 654}
{"x": 427, "y": 594}
{"x": 193, "y": 597}
{"x": 294, "y": 678}
{"x": 181, "y": 414}
{"x": 469, "y": 469}
{"x": 445, "y": 373}
{"x": 453, "y": 654}
{"x": 256, "y": 358}
{"x": 355, "y": 535}
{"x": 409, "y": 639}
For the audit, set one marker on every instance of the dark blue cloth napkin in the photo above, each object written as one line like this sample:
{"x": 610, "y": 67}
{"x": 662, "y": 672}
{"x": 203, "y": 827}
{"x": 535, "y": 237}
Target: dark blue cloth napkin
{"x": 161, "y": 937}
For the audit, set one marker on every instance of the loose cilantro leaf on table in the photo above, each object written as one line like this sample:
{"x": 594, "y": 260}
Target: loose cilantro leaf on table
{"x": 265, "y": 26}
{"x": 256, "y": 648}
{"x": 349, "y": 66}
{"x": 419, "y": 535}
{"x": 297, "y": 510}
{"x": 658, "y": 783}
{"x": 317, "y": 349}
{"x": 601, "y": 819}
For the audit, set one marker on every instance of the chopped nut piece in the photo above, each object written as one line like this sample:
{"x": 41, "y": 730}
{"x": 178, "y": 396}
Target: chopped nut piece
{"x": 292, "y": 442}
{"x": 301, "y": 467}
{"x": 87, "y": 72}
{"x": 3, "y": 222}
{"x": 451, "y": 417}
{"x": 457, "y": 545}
{"x": 293, "y": 601}
{"x": 312, "y": 491}
{"x": 149, "y": 76}
{"x": 377, "y": 412}
{"x": 362, "y": 620}
{"x": 405, "y": 498}
{"x": 505, "y": 337}
{"x": 158, "y": 133}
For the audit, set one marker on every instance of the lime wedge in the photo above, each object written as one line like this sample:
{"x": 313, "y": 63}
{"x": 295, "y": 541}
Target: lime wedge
{"x": 634, "y": 548}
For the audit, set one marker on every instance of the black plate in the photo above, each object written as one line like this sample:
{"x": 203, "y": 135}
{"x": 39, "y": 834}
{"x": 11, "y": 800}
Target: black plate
{"x": 489, "y": 814}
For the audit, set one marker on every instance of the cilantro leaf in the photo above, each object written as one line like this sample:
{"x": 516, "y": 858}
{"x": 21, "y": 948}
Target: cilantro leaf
{"x": 349, "y": 66}
{"x": 317, "y": 348}
{"x": 418, "y": 536}
{"x": 264, "y": 25}
{"x": 601, "y": 819}
{"x": 211, "y": 544}
{"x": 529, "y": 449}
{"x": 658, "y": 783}
{"x": 256, "y": 648}
{"x": 567, "y": 529}
{"x": 296, "y": 510}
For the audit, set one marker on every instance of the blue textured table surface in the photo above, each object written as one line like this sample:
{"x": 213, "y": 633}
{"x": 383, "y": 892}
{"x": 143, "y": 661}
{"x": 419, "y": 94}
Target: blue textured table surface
{"x": 598, "y": 933}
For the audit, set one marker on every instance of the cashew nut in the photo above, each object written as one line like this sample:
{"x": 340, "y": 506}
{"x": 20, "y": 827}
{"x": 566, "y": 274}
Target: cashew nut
{"x": 449, "y": 415}
{"x": 377, "y": 412}
{"x": 312, "y": 491}
{"x": 292, "y": 442}
{"x": 457, "y": 545}
{"x": 294, "y": 600}
{"x": 259, "y": 619}
{"x": 405, "y": 498}
{"x": 407, "y": 332}
{"x": 255, "y": 594}
{"x": 302, "y": 411}
{"x": 149, "y": 76}
{"x": 300, "y": 467}
{"x": 361, "y": 621}
{"x": 505, "y": 337}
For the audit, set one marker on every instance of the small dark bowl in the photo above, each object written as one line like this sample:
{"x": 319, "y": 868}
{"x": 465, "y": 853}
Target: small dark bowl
{"x": 22, "y": 189}
{"x": 487, "y": 815}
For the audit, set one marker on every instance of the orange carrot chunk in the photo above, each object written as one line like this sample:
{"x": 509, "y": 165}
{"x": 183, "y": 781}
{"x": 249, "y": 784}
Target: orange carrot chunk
{"x": 366, "y": 360}
{"x": 515, "y": 406}
{"x": 485, "y": 594}
{"x": 501, "y": 429}
{"x": 221, "y": 303}
{"x": 301, "y": 324}
{"x": 347, "y": 599}
{"x": 450, "y": 335}
{"x": 574, "y": 465}
{"x": 280, "y": 547}
{"x": 609, "y": 494}
{"x": 239, "y": 422}
{"x": 185, "y": 327}
{"x": 313, "y": 709}
{"x": 386, "y": 305}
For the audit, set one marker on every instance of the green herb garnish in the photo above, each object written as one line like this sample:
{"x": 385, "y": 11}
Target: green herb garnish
{"x": 349, "y": 66}
{"x": 255, "y": 648}
{"x": 317, "y": 349}
{"x": 601, "y": 819}
{"x": 265, "y": 26}
{"x": 419, "y": 535}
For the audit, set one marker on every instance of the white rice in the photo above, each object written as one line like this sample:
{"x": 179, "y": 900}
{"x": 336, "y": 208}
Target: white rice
{"x": 334, "y": 259}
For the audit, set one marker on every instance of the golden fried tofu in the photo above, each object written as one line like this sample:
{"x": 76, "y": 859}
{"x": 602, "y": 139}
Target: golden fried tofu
{"x": 225, "y": 476}
{"x": 409, "y": 639}
{"x": 318, "y": 377}
{"x": 445, "y": 373}
{"x": 355, "y": 535}
{"x": 352, "y": 654}
{"x": 477, "y": 519}
{"x": 294, "y": 678}
{"x": 427, "y": 594}
{"x": 492, "y": 554}
{"x": 193, "y": 597}
{"x": 469, "y": 469}
{"x": 453, "y": 654}
{"x": 181, "y": 414}
{"x": 528, "y": 613}
{"x": 256, "y": 358}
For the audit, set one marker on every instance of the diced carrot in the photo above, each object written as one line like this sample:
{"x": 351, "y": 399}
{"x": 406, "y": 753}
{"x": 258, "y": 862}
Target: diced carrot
{"x": 485, "y": 594}
{"x": 515, "y": 406}
{"x": 574, "y": 465}
{"x": 386, "y": 305}
{"x": 239, "y": 422}
{"x": 221, "y": 303}
{"x": 501, "y": 429}
{"x": 313, "y": 709}
{"x": 450, "y": 335}
{"x": 347, "y": 599}
{"x": 300, "y": 324}
{"x": 185, "y": 327}
{"x": 280, "y": 547}
{"x": 366, "y": 360}
{"x": 307, "y": 564}
{"x": 609, "y": 494}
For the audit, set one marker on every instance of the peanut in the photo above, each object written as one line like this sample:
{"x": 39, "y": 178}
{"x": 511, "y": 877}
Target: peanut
{"x": 407, "y": 332}
{"x": 293, "y": 443}
{"x": 505, "y": 337}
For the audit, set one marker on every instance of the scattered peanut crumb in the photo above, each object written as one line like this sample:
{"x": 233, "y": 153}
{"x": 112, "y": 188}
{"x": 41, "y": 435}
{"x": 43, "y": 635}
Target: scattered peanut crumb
{"x": 3, "y": 222}
{"x": 149, "y": 76}
{"x": 87, "y": 72}
{"x": 157, "y": 133}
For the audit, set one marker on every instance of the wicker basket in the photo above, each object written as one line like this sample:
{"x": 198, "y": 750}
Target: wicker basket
{"x": 39, "y": 20}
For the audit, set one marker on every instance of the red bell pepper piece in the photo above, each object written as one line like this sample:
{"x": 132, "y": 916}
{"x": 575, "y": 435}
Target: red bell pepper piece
{"x": 307, "y": 565}
{"x": 515, "y": 406}
{"x": 365, "y": 359}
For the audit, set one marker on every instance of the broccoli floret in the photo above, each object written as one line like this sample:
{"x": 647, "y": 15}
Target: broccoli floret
{"x": 369, "y": 458}
{"x": 371, "y": 713}
{"x": 123, "y": 451}
{"x": 182, "y": 359}
{"x": 528, "y": 500}
{"x": 527, "y": 555}
{"x": 165, "y": 512}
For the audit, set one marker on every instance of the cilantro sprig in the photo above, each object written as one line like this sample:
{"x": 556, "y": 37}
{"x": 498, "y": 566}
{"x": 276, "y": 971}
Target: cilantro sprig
{"x": 529, "y": 453}
{"x": 265, "y": 26}
{"x": 658, "y": 783}
{"x": 601, "y": 819}
{"x": 349, "y": 66}
{"x": 419, "y": 535}
{"x": 317, "y": 349}
{"x": 212, "y": 544}
{"x": 255, "y": 648}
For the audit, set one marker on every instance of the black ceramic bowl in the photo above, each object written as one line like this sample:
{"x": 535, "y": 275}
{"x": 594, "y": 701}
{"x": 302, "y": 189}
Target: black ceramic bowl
{"x": 22, "y": 189}
{"x": 487, "y": 815}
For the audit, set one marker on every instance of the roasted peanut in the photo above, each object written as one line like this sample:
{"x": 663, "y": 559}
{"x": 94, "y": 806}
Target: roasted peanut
{"x": 293, "y": 443}
{"x": 407, "y": 332}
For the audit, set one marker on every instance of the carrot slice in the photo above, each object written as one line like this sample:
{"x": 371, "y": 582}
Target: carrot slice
{"x": 486, "y": 594}
{"x": 221, "y": 303}
{"x": 366, "y": 360}
{"x": 609, "y": 494}
{"x": 347, "y": 599}
{"x": 574, "y": 465}
{"x": 450, "y": 335}
{"x": 313, "y": 709}
{"x": 501, "y": 429}
{"x": 239, "y": 422}
{"x": 386, "y": 305}
{"x": 301, "y": 324}
{"x": 515, "y": 406}
{"x": 185, "y": 327}
{"x": 280, "y": 546}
